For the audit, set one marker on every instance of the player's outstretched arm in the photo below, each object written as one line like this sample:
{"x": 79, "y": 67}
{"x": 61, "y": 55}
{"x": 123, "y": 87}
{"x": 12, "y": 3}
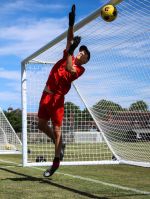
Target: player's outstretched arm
{"x": 69, "y": 65}
{"x": 70, "y": 34}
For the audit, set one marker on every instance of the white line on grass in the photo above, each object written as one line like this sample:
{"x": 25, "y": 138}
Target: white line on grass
{"x": 107, "y": 184}
{"x": 13, "y": 166}
{"x": 101, "y": 182}
{"x": 5, "y": 161}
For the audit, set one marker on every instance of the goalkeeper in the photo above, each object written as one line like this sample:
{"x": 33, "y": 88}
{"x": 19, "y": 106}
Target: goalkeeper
{"x": 57, "y": 86}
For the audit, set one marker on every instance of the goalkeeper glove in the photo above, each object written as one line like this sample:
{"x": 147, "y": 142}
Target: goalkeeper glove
{"x": 72, "y": 16}
{"x": 75, "y": 42}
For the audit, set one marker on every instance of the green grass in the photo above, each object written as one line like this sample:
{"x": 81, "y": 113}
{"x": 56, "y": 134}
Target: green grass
{"x": 19, "y": 183}
{"x": 73, "y": 152}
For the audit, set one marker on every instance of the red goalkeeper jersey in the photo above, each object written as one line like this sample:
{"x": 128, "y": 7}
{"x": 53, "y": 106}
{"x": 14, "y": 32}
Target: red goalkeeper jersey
{"x": 59, "y": 80}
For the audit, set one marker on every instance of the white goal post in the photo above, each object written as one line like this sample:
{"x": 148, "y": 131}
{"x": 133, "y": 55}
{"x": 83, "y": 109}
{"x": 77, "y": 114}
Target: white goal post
{"x": 9, "y": 141}
{"x": 107, "y": 116}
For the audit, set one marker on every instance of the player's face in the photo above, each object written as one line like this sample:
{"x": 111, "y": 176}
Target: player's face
{"x": 81, "y": 58}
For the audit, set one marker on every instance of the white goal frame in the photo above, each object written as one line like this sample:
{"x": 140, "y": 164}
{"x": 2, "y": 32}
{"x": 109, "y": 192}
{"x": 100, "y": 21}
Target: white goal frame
{"x": 10, "y": 136}
{"x": 32, "y": 59}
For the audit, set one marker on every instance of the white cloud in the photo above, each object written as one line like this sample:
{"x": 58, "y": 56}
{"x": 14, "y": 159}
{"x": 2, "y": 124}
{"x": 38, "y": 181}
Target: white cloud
{"x": 28, "y": 35}
{"x": 121, "y": 88}
{"x": 30, "y": 6}
{"x": 10, "y": 92}
{"x": 14, "y": 86}
{"x": 23, "y": 40}
{"x": 8, "y": 96}
{"x": 10, "y": 75}
{"x": 36, "y": 30}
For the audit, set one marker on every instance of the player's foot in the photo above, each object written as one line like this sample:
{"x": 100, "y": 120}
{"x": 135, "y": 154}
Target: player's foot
{"x": 50, "y": 171}
{"x": 62, "y": 151}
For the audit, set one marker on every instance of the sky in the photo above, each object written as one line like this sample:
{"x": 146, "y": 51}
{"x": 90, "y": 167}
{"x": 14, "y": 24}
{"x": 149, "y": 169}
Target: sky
{"x": 27, "y": 25}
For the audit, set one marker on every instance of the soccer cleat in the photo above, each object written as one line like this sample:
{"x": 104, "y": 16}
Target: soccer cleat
{"x": 62, "y": 151}
{"x": 50, "y": 171}
{"x": 47, "y": 173}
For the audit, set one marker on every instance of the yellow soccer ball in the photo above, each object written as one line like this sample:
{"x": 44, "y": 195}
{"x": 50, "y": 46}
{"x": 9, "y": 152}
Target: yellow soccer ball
{"x": 8, "y": 147}
{"x": 109, "y": 13}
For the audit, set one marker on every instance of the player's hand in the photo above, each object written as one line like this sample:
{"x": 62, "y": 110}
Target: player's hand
{"x": 75, "y": 42}
{"x": 72, "y": 16}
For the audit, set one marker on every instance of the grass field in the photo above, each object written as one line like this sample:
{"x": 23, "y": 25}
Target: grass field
{"x": 102, "y": 182}
{"x": 73, "y": 151}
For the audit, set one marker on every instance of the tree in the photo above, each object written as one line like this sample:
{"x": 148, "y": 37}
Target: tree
{"x": 72, "y": 113}
{"x": 86, "y": 114}
{"x": 88, "y": 120}
{"x": 15, "y": 119}
{"x": 77, "y": 118}
{"x": 104, "y": 108}
{"x": 71, "y": 108}
{"x": 139, "y": 106}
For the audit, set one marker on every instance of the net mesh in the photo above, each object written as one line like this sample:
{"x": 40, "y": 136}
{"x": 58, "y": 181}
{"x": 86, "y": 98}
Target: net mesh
{"x": 82, "y": 138}
{"x": 115, "y": 86}
{"x": 9, "y": 140}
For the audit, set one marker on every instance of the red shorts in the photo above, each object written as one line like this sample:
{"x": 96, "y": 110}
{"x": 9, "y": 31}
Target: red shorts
{"x": 52, "y": 107}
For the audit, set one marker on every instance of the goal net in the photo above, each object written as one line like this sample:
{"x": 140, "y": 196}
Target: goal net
{"x": 9, "y": 141}
{"x": 107, "y": 116}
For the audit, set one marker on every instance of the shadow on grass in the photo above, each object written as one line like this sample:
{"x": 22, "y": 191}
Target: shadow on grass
{"x": 48, "y": 181}
{"x": 26, "y": 177}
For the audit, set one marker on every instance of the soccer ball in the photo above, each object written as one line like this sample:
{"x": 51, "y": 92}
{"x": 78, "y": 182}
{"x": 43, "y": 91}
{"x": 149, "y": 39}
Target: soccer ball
{"x": 109, "y": 13}
{"x": 8, "y": 147}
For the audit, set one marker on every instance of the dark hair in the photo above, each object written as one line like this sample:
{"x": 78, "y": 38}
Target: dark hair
{"x": 83, "y": 47}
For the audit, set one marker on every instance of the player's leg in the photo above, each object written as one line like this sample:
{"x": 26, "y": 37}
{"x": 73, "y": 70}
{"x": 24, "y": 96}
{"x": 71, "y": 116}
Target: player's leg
{"x": 63, "y": 146}
{"x": 44, "y": 114}
{"x": 44, "y": 127}
{"x": 57, "y": 118}
{"x": 58, "y": 143}
{"x": 58, "y": 140}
